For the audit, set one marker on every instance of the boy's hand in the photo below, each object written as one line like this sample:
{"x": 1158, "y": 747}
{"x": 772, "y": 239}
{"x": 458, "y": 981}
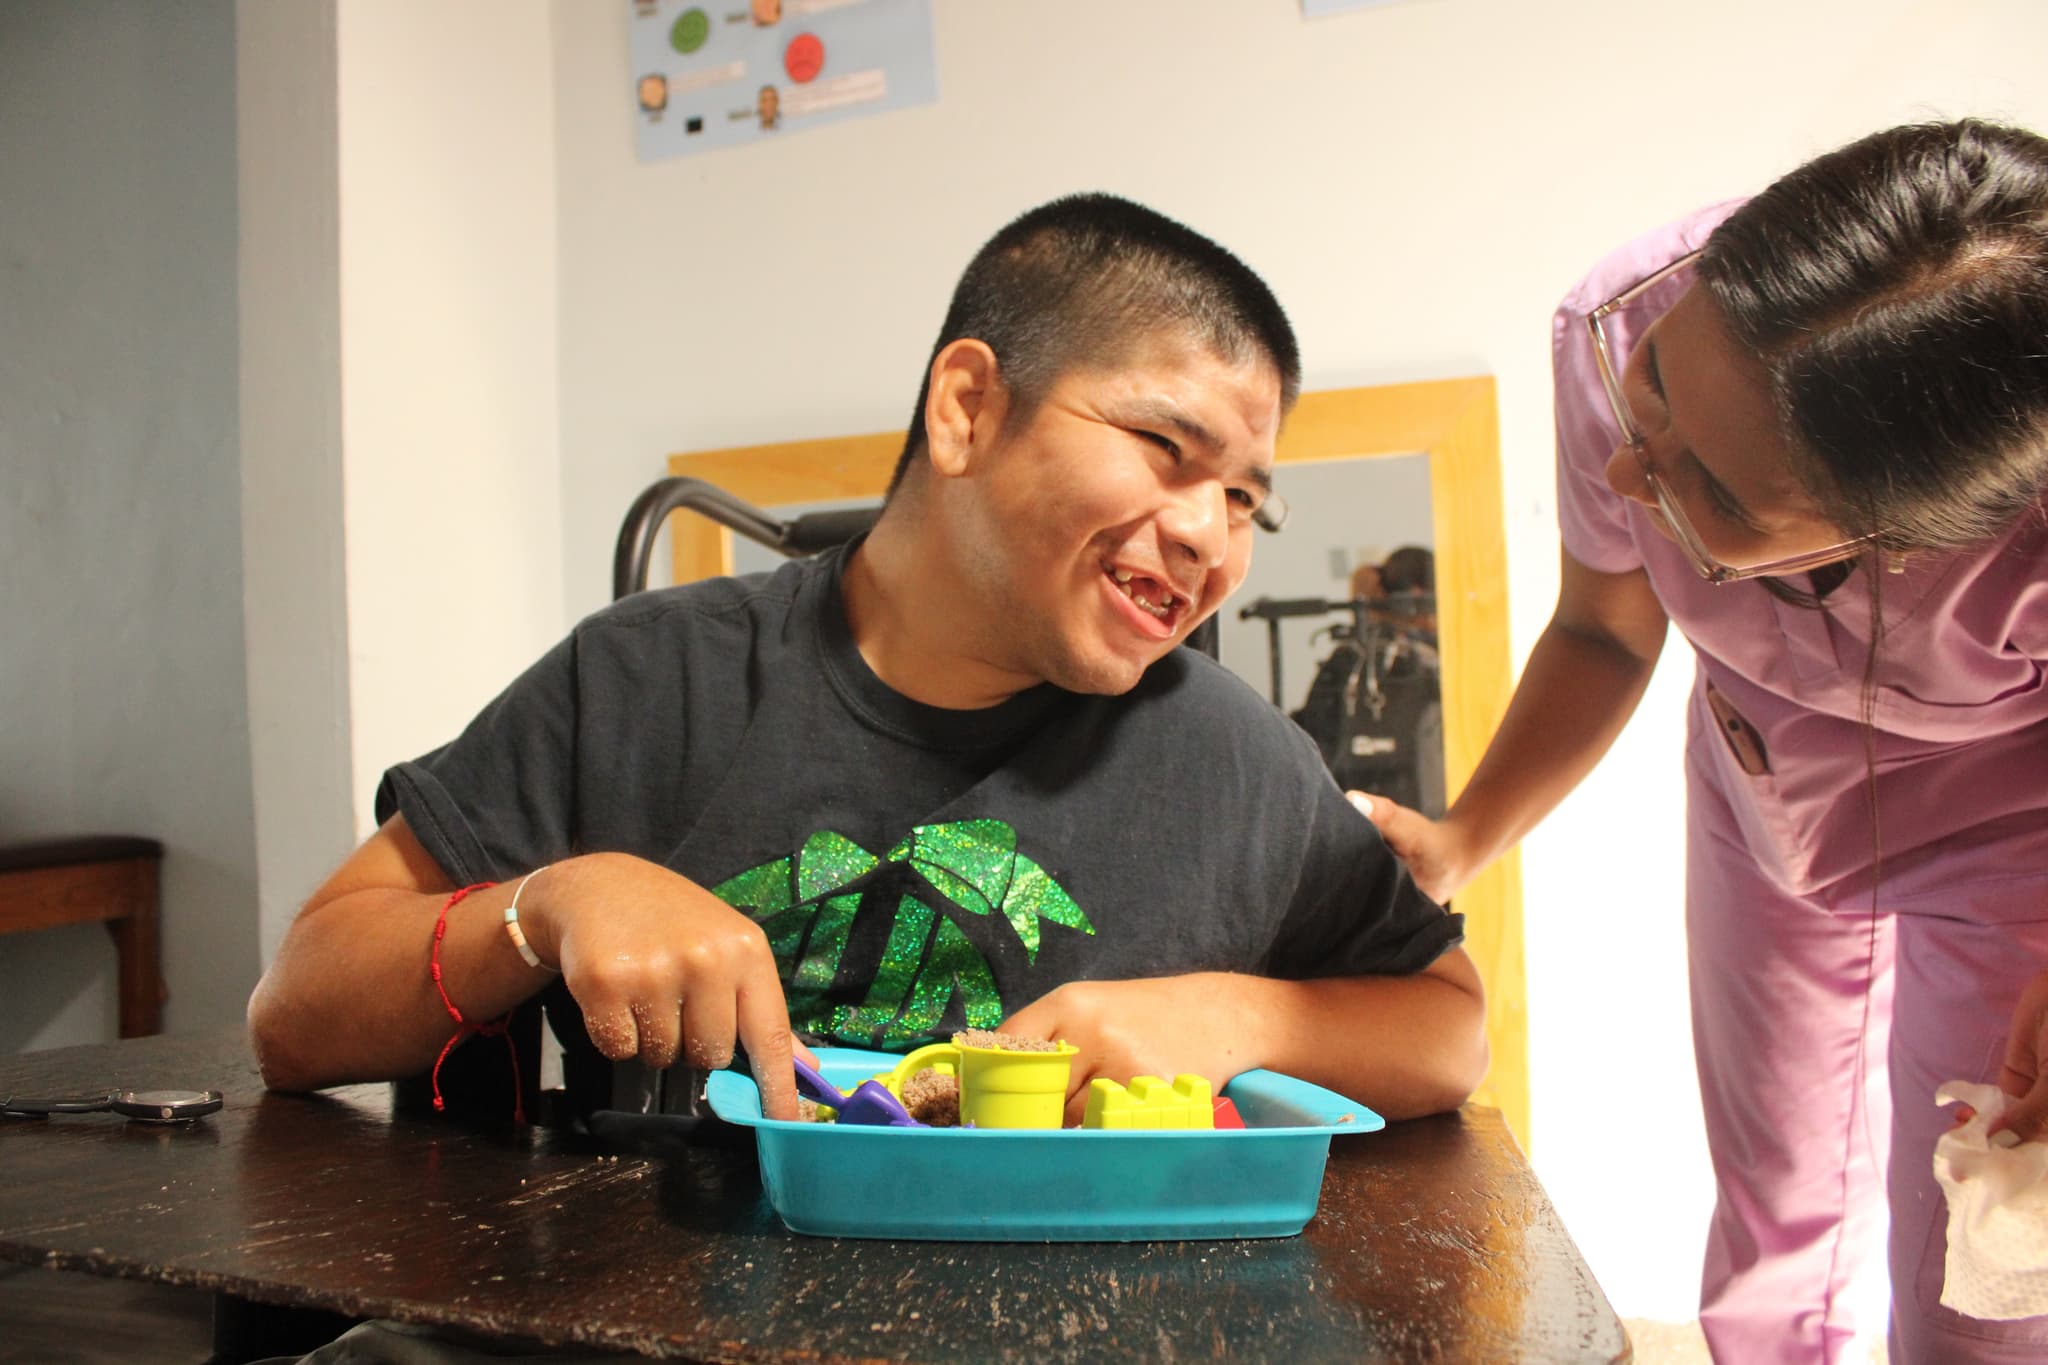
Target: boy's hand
{"x": 663, "y": 969}
{"x": 1157, "y": 1027}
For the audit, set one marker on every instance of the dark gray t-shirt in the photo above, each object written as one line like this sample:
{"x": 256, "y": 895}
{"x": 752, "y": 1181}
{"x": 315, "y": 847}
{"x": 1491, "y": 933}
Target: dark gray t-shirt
{"x": 916, "y": 869}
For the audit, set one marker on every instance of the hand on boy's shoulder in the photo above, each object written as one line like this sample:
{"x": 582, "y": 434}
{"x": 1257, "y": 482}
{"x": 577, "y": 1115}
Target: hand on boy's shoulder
{"x": 1431, "y": 849}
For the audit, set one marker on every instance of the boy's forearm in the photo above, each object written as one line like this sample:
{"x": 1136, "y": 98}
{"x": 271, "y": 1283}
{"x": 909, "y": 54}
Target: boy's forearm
{"x": 351, "y": 998}
{"x": 1404, "y": 1045}
{"x": 662, "y": 970}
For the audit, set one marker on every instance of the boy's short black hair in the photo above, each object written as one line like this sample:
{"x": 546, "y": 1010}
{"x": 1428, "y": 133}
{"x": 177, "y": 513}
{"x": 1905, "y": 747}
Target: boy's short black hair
{"x": 1084, "y": 280}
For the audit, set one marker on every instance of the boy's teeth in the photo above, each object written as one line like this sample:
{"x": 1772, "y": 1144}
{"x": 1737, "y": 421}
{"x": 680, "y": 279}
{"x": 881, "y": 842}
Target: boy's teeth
{"x": 1156, "y": 608}
{"x": 1167, "y": 602}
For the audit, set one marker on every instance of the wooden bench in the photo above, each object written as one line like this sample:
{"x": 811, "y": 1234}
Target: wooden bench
{"x": 108, "y": 879}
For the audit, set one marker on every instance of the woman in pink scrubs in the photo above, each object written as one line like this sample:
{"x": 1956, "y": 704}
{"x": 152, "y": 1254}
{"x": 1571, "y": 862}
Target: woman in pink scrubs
{"x": 1812, "y": 430}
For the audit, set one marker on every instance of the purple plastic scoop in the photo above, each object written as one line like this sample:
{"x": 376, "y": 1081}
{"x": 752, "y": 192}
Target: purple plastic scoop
{"x": 870, "y": 1103}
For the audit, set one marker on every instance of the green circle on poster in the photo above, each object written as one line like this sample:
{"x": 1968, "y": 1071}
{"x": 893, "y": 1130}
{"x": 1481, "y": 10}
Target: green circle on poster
{"x": 690, "y": 30}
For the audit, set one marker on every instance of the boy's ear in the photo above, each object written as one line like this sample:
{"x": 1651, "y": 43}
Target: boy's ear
{"x": 966, "y": 397}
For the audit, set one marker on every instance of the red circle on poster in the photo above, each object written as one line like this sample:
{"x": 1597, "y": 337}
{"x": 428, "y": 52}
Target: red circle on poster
{"x": 804, "y": 58}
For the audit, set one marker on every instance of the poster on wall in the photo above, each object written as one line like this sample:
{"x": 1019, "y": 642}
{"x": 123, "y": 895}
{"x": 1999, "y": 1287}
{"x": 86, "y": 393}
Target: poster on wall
{"x": 722, "y": 73}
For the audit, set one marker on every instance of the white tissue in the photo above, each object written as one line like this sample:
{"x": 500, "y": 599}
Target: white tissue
{"x": 1997, "y": 1211}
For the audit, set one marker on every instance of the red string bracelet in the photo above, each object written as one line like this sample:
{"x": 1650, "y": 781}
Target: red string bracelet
{"x": 463, "y": 1028}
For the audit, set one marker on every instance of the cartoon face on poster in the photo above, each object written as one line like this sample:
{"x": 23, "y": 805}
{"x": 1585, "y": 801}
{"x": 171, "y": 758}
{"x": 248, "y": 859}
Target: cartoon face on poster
{"x": 720, "y": 74}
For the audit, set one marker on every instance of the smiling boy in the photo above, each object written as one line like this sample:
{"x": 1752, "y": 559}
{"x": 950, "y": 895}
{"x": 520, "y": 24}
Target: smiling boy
{"x": 957, "y": 774}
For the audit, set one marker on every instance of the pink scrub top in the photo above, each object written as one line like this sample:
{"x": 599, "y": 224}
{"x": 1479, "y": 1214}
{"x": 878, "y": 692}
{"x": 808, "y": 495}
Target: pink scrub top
{"x": 1962, "y": 709}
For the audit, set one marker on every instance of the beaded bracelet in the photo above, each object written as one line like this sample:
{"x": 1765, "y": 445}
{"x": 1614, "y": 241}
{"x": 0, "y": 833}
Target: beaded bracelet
{"x": 518, "y": 935}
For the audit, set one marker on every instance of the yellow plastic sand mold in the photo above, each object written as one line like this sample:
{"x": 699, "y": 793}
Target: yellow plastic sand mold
{"x": 1149, "y": 1102}
{"x": 999, "y": 1088}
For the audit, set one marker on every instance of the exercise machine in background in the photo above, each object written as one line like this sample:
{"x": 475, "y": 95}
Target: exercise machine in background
{"x": 1375, "y": 706}
{"x": 806, "y": 535}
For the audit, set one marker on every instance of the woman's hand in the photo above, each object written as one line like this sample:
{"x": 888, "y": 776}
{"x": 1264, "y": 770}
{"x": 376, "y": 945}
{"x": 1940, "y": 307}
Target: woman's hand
{"x": 1435, "y": 854}
{"x": 2025, "y": 1074}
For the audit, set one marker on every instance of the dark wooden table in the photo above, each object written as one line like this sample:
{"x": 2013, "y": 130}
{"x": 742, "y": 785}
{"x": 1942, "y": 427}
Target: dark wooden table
{"x": 1433, "y": 1240}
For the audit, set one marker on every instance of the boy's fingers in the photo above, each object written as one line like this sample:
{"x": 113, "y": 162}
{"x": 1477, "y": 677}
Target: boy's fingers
{"x": 612, "y": 1031}
{"x": 1035, "y": 1020}
{"x": 659, "y": 1033}
{"x": 1077, "y": 1097}
{"x": 764, "y": 1032}
{"x": 710, "y": 1029}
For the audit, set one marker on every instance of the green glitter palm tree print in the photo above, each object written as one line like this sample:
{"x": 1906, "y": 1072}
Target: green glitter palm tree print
{"x": 807, "y": 903}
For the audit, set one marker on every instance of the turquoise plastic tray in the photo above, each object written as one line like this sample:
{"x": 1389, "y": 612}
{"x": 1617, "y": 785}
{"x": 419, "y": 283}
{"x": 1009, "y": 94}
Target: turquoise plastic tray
{"x": 1070, "y": 1185}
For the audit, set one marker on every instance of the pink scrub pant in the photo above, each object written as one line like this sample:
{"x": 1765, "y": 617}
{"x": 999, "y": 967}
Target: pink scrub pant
{"x": 1793, "y": 999}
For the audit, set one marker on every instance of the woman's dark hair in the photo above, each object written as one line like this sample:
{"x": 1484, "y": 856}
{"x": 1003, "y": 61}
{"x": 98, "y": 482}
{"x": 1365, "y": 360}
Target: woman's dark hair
{"x": 1084, "y": 281}
{"x": 1896, "y": 291}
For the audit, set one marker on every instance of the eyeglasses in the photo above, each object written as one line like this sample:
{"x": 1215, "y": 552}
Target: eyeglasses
{"x": 1702, "y": 559}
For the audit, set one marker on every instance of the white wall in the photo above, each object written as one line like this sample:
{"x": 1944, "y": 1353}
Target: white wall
{"x": 1419, "y": 182}
{"x": 448, "y": 359}
{"x": 121, "y": 673}
{"x": 399, "y": 350}
{"x": 280, "y": 434}
{"x": 295, "y": 593}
